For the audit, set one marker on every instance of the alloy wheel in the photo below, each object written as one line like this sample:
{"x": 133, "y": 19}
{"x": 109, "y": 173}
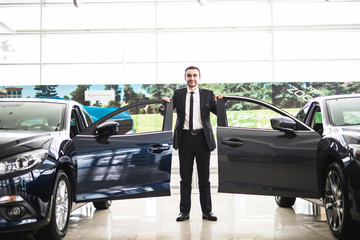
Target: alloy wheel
{"x": 62, "y": 205}
{"x": 334, "y": 201}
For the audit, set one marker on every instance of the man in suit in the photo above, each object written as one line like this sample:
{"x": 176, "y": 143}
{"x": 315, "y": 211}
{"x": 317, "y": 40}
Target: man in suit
{"x": 194, "y": 139}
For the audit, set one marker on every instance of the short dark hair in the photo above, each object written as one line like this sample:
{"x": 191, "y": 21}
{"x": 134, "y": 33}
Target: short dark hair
{"x": 192, "y": 67}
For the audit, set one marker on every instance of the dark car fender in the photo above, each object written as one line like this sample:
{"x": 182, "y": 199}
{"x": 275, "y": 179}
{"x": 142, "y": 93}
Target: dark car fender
{"x": 329, "y": 150}
{"x": 67, "y": 162}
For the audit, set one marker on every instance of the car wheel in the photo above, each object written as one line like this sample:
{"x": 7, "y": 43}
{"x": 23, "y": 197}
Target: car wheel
{"x": 60, "y": 210}
{"x": 102, "y": 205}
{"x": 336, "y": 202}
{"x": 285, "y": 201}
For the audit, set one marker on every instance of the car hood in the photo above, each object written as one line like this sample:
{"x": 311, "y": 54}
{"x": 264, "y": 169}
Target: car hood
{"x": 13, "y": 142}
{"x": 351, "y": 134}
{"x": 354, "y": 129}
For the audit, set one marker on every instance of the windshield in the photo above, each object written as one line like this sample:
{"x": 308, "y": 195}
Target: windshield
{"x": 344, "y": 111}
{"x": 31, "y": 116}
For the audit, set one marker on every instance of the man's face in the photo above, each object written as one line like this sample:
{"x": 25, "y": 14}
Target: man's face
{"x": 192, "y": 77}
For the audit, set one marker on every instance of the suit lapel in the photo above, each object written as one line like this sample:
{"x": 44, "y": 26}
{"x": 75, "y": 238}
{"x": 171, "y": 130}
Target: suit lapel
{"x": 183, "y": 101}
{"x": 201, "y": 93}
{"x": 202, "y": 101}
{"x": 183, "y": 97}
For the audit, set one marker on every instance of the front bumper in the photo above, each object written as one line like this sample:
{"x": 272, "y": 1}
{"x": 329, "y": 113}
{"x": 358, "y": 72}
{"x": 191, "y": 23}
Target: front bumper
{"x": 25, "y": 201}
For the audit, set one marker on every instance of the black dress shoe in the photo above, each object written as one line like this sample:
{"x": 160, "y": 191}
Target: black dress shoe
{"x": 182, "y": 217}
{"x": 209, "y": 216}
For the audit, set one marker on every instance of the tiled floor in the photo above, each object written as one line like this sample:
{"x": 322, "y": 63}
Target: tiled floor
{"x": 239, "y": 217}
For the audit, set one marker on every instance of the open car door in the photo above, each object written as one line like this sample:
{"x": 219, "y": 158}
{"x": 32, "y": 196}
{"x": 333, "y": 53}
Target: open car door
{"x": 126, "y": 158}
{"x": 264, "y": 150}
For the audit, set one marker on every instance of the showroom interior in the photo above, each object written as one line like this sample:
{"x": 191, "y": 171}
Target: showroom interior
{"x": 95, "y": 42}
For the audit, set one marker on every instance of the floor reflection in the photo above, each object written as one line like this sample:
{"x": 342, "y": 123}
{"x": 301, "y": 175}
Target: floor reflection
{"x": 239, "y": 217}
{"x": 306, "y": 219}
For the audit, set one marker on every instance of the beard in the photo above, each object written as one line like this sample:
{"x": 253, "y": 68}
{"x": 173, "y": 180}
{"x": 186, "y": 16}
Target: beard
{"x": 192, "y": 84}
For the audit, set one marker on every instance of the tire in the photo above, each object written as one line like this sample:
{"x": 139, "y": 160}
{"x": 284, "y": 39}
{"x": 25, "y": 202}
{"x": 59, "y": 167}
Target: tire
{"x": 285, "y": 201}
{"x": 336, "y": 203}
{"x": 60, "y": 210}
{"x": 102, "y": 205}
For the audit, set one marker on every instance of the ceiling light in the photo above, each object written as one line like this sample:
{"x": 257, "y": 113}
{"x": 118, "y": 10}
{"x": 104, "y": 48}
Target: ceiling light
{"x": 202, "y": 2}
{"x": 77, "y": 3}
{"x": 5, "y": 28}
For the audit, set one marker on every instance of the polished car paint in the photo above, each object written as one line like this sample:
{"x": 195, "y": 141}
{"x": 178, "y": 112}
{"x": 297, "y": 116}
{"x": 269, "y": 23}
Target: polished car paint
{"x": 314, "y": 154}
{"x": 47, "y": 161}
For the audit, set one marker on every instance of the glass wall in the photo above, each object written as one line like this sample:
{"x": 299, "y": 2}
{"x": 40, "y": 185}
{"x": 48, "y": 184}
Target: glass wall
{"x": 153, "y": 41}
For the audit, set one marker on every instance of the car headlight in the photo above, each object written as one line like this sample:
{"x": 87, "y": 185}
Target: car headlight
{"x": 22, "y": 161}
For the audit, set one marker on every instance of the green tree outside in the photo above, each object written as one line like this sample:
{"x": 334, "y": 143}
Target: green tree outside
{"x": 79, "y": 94}
{"x": 117, "y": 90}
{"x": 45, "y": 90}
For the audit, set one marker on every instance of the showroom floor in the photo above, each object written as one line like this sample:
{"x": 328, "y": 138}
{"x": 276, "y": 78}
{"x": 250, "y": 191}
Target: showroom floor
{"x": 239, "y": 217}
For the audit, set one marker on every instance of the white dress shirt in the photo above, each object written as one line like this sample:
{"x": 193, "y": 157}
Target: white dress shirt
{"x": 196, "y": 110}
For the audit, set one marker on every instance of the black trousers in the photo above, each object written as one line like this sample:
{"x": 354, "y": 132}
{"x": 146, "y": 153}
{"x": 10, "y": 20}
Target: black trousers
{"x": 194, "y": 147}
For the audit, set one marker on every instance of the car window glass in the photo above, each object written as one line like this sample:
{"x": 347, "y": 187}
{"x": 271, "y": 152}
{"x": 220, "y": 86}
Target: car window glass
{"x": 316, "y": 122}
{"x": 352, "y": 117}
{"x": 31, "y": 116}
{"x": 249, "y": 115}
{"x": 344, "y": 111}
{"x": 140, "y": 119}
{"x": 301, "y": 115}
{"x": 74, "y": 124}
{"x": 88, "y": 119}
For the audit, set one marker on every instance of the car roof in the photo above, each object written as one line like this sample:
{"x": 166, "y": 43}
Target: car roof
{"x": 323, "y": 98}
{"x": 44, "y": 100}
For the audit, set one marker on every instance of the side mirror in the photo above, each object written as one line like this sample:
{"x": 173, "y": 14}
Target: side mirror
{"x": 125, "y": 126}
{"x": 107, "y": 129}
{"x": 284, "y": 124}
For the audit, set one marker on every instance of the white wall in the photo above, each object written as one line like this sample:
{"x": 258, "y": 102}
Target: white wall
{"x": 148, "y": 41}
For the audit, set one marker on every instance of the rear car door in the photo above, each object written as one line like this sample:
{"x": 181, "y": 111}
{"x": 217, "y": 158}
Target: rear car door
{"x": 134, "y": 160}
{"x": 253, "y": 158}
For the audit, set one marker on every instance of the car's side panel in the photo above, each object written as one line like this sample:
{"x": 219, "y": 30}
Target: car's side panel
{"x": 267, "y": 162}
{"x": 127, "y": 166}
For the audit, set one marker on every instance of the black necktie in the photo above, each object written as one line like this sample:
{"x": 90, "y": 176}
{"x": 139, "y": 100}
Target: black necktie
{"x": 191, "y": 111}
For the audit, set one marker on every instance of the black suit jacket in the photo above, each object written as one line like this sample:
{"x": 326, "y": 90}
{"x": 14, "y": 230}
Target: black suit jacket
{"x": 207, "y": 105}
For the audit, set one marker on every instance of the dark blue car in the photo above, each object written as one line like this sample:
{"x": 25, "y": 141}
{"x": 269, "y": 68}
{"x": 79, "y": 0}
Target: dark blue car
{"x": 53, "y": 157}
{"x": 314, "y": 155}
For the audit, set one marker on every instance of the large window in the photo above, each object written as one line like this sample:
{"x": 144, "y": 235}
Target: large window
{"x": 153, "y": 41}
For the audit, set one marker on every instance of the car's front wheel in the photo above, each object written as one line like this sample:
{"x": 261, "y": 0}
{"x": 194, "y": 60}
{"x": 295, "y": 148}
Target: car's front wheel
{"x": 336, "y": 202}
{"x": 285, "y": 201}
{"x": 102, "y": 205}
{"x": 60, "y": 210}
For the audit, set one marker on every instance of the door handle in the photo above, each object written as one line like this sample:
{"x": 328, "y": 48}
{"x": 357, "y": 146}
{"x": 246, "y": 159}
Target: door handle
{"x": 232, "y": 142}
{"x": 158, "y": 148}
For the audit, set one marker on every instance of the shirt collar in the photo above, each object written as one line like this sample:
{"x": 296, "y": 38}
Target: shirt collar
{"x": 196, "y": 91}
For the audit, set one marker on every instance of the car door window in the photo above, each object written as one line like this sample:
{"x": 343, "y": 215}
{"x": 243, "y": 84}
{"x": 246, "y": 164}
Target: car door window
{"x": 140, "y": 119}
{"x": 146, "y": 118}
{"x": 316, "y": 122}
{"x": 74, "y": 124}
{"x": 248, "y": 114}
{"x": 88, "y": 119}
{"x": 301, "y": 115}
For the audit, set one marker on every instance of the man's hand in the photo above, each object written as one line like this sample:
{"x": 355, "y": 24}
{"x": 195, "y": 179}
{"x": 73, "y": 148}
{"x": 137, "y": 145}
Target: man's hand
{"x": 220, "y": 96}
{"x": 166, "y": 99}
